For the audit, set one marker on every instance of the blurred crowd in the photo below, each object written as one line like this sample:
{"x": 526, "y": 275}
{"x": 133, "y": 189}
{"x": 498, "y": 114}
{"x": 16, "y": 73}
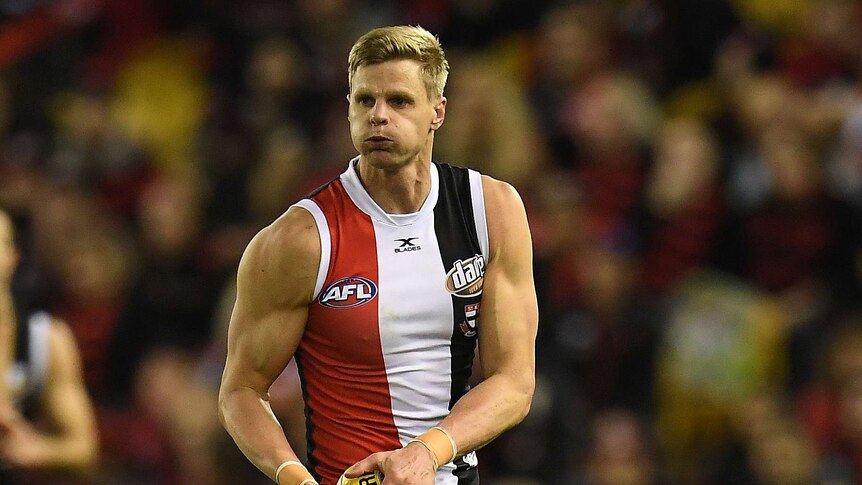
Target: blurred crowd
{"x": 692, "y": 171}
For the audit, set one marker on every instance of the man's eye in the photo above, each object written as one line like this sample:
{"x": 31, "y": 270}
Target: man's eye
{"x": 399, "y": 102}
{"x": 365, "y": 101}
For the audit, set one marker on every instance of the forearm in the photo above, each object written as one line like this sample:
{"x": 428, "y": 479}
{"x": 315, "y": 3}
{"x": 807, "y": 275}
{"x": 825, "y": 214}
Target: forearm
{"x": 248, "y": 418}
{"x": 498, "y": 403}
{"x": 74, "y": 453}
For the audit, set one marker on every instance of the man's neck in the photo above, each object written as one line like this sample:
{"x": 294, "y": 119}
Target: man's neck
{"x": 401, "y": 191}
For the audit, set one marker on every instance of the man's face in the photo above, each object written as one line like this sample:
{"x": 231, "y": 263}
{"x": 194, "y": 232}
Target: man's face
{"x": 391, "y": 117}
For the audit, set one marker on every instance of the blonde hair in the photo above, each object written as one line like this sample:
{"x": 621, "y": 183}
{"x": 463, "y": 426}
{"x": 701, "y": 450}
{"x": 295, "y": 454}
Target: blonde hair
{"x": 402, "y": 42}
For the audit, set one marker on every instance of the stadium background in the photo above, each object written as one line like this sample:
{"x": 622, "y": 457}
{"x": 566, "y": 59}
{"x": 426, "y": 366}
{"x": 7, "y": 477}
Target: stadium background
{"x": 692, "y": 171}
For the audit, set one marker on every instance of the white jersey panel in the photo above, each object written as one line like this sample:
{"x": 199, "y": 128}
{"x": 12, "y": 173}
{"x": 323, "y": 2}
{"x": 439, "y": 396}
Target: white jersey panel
{"x": 416, "y": 350}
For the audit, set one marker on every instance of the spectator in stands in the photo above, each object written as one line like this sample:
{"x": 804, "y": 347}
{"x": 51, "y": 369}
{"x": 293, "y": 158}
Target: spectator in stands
{"x": 684, "y": 205}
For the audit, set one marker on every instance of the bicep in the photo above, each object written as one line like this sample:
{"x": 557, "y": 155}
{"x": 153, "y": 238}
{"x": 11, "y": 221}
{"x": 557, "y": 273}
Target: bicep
{"x": 509, "y": 318}
{"x": 260, "y": 345}
{"x": 275, "y": 283}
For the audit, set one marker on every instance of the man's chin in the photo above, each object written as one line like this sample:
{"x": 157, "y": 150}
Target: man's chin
{"x": 383, "y": 160}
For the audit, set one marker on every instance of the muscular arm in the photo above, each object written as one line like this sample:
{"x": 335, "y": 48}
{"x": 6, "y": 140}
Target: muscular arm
{"x": 275, "y": 283}
{"x": 507, "y": 327}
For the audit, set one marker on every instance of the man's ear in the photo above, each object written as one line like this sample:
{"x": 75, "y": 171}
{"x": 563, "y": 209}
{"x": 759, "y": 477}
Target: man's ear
{"x": 439, "y": 113}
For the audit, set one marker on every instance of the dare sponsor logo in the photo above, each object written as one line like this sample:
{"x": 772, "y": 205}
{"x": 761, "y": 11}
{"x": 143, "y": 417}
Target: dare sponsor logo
{"x": 348, "y": 292}
{"x": 466, "y": 277}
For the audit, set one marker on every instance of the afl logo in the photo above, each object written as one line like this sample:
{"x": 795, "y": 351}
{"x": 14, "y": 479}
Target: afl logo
{"x": 466, "y": 278}
{"x": 348, "y": 293}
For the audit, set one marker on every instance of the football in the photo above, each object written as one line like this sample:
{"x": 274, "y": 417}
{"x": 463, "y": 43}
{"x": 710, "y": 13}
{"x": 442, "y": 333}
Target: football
{"x": 373, "y": 478}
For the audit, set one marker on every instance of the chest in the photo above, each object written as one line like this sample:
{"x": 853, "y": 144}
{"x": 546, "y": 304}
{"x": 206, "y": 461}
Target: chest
{"x": 392, "y": 287}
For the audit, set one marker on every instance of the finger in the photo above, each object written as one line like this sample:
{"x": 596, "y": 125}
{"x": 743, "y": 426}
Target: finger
{"x": 367, "y": 465}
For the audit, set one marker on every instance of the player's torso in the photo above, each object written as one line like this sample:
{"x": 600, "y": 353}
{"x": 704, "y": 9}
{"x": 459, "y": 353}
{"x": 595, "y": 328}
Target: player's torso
{"x": 390, "y": 337}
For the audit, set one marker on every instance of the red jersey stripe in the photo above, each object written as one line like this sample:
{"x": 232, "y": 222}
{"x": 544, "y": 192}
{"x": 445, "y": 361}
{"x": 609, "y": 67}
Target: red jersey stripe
{"x": 340, "y": 355}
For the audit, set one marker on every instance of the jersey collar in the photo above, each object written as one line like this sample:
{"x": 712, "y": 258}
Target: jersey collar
{"x": 362, "y": 200}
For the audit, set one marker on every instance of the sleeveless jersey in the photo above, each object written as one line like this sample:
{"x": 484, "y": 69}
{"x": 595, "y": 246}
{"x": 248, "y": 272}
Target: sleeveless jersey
{"x": 26, "y": 377}
{"x": 389, "y": 343}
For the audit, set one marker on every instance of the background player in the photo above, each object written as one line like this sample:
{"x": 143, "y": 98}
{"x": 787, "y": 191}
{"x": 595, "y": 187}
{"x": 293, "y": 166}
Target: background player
{"x": 41, "y": 378}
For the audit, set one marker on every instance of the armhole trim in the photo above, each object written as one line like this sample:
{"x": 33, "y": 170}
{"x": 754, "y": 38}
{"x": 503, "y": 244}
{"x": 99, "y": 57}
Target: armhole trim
{"x": 40, "y": 327}
{"x": 478, "y": 200}
{"x": 325, "y": 242}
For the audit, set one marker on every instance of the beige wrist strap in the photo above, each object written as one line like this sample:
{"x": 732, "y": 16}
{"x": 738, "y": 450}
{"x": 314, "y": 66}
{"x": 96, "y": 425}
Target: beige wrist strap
{"x": 297, "y": 474}
{"x": 451, "y": 442}
{"x": 440, "y": 443}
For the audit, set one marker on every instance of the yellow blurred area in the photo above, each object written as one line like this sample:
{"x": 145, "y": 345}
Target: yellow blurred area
{"x": 701, "y": 100}
{"x": 160, "y": 101}
{"x": 781, "y": 15}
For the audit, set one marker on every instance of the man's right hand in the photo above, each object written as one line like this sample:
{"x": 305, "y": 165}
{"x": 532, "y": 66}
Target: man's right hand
{"x": 411, "y": 465}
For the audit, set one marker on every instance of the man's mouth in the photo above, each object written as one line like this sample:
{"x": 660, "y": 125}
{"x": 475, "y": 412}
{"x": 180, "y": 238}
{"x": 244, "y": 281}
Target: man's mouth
{"x": 379, "y": 142}
{"x": 378, "y": 139}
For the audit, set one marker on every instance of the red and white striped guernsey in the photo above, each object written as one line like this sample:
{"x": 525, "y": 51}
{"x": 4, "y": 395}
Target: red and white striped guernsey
{"x": 389, "y": 343}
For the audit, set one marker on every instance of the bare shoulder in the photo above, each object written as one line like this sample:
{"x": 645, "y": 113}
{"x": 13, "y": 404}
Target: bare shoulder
{"x": 504, "y": 212}
{"x": 290, "y": 238}
{"x": 500, "y": 197}
{"x": 60, "y": 334}
{"x": 282, "y": 259}
{"x": 63, "y": 346}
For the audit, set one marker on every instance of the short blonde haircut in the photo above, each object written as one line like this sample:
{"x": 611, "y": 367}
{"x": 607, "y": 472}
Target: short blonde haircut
{"x": 402, "y": 42}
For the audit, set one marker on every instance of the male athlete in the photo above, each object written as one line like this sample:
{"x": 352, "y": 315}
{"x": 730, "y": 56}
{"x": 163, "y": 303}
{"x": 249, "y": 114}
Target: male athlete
{"x": 381, "y": 284}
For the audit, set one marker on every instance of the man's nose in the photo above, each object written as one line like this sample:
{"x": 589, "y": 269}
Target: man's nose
{"x": 379, "y": 114}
